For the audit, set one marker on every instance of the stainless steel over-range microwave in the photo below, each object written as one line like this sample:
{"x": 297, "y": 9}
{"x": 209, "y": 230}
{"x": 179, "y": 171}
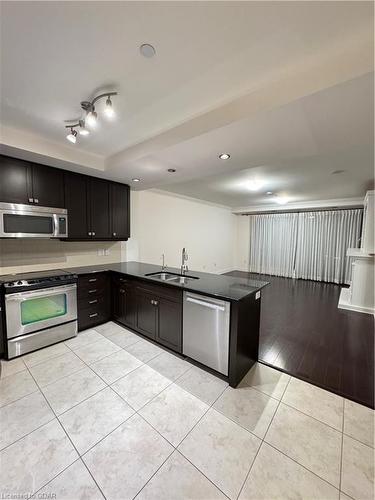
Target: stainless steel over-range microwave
{"x": 26, "y": 221}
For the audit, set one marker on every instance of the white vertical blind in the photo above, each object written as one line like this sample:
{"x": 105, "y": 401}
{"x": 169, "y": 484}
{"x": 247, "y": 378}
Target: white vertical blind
{"x": 308, "y": 245}
{"x": 323, "y": 239}
{"x": 273, "y": 240}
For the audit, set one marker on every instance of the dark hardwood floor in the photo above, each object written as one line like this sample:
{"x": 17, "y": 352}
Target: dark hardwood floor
{"x": 305, "y": 334}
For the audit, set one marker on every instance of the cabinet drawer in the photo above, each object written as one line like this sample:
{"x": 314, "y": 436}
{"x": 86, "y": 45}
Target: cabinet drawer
{"x": 98, "y": 302}
{"x": 94, "y": 280}
{"x": 93, "y": 292}
{"x": 91, "y": 316}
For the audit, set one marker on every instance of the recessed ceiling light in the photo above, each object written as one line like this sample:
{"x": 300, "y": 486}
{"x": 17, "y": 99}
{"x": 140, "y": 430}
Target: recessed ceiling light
{"x": 224, "y": 156}
{"x": 281, "y": 200}
{"x": 269, "y": 192}
{"x": 147, "y": 50}
{"x": 171, "y": 170}
{"x": 255, "y": 184}
{"x": 136, "y": 180}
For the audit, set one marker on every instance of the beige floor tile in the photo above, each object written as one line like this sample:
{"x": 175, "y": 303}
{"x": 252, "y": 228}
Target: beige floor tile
{"x": 43, "y": 354}
{"x": 140, "y": 386}
{"x": 143, "y": 350}
{"x": 277, "y": 477}
{"x": 357, "y": 478}
{"x": 169, "y": 366}
{"x": 75, "y": 483}
{"x": 115, "y": 366}
{"x": 83, "y": 339}
{"x": 124, "y": 338}
{"x": 173, "y": 413}
{"x": 222, "y": 450}
{"x": 11, "y": 367}
{"x": 56, "y": 368}
{"x": 126, "y": 459}
{"x": 16, "y": 386}
{"x": 248, "y": 407}
{"x": 69, "y": 391}
{"x": 192, "y": 485}
{"x": 97, "y": 350}
{"x": 359, "y": 422}
{"x": 33, "y": 461}
{"x": 202, "y": 384}
{"x": 95, "y": 418}
{"x": 318, "y": 403}
{"x": 108, "y": 329}
{"x": 23, "y": 416}
{"x": 311, "y": 443}
{"x": 267, "y": 380}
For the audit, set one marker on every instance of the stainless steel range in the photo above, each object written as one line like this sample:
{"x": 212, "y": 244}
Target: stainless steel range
{"x": 40, "y": 310}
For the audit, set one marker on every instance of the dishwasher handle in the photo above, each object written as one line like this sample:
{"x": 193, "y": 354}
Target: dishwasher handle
{"x": 204, "y": 303}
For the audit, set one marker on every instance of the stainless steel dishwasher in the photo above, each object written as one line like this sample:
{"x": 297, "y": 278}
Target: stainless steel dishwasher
{"x": 206, "y": 331}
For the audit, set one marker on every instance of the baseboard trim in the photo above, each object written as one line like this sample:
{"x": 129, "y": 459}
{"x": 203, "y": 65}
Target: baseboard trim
{"x": 344, "y": 303}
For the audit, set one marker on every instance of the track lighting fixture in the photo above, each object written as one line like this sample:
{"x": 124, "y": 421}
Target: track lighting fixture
{"x": 91, "y": 116}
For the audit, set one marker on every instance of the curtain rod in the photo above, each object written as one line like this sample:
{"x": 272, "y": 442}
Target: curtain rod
{"x": 301, "y": 210}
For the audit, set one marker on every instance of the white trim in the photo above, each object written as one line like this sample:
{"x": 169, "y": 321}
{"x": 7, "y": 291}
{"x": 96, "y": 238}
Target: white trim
{"x": 188, "y": 198}
{"x": 344, "y": 303}
{"x": 303, "y": 205}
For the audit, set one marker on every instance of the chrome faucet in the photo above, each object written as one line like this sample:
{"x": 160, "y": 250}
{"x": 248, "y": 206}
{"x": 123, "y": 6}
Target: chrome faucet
{"x": 163, "y": 266}
{"x": 184, "y": 258}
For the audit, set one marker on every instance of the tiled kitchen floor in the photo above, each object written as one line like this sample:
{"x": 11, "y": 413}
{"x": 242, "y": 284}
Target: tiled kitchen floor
{"x": 109, "y": 414}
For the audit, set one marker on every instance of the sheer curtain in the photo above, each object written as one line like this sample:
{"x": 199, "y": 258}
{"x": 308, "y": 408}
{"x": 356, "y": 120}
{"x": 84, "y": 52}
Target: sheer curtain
{"x": 323, "y": 239}
{"x": 308, "y": 245}
{"x": 273, "y": 240}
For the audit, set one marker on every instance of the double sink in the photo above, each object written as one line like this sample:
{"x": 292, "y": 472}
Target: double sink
{"x": 172, "y": 277}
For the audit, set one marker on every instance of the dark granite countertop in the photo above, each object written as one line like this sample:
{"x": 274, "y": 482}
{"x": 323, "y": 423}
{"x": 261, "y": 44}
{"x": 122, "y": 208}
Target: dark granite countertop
{"x": 225, "y": 287}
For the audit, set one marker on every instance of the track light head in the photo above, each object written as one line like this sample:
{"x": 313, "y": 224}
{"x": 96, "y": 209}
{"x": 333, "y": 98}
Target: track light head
{"x": 72, "y": 137}
{"x": 82, "y": 128}
{"x": 91, "y": 118}
{"x": 108, "y": 110}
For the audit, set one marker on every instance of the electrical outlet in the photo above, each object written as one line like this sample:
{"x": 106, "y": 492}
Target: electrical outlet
{"x": 107, "y": 251}
{"x": 100, "y": 252}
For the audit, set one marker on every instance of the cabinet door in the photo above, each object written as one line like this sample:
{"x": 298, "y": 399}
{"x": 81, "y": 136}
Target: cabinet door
{"x": 15, "y": 181}
{"x": 169, "y": 331}
{"x": 99, "y": 208}
{"x": 48, "y": 186}
{"x": 76, "y": 204}
{"x": 147, "y": 314}
{"x": 120, "y": 214}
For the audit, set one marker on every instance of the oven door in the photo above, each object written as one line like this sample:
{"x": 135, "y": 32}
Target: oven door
{"x": 24, "y": 221}
{"x": 35, "y": 310}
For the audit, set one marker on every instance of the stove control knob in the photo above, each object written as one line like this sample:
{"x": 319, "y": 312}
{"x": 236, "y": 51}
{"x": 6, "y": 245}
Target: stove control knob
{"x": 19, "y": 282}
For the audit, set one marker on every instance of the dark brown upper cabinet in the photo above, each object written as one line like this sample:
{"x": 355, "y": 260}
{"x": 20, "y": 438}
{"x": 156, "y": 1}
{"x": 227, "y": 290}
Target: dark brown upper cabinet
{"x": 99, "y": 208}
{"x": 76, "y": 203}
{"x": 48, "y": 186}
{"x": 30, "y": 183}
{"x": 15, "y": 181}
{"x": 119, "y": 210}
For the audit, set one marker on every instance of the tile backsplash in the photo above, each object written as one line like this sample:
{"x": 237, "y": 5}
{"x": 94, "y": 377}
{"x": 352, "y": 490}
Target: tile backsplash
{"x": 27, "y": 255}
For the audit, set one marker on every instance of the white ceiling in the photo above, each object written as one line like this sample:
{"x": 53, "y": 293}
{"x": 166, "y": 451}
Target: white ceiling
{"x": 283, "y": 86}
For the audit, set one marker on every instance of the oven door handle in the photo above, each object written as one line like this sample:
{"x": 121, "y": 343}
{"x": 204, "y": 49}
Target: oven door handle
{"x": 20, "y": 296}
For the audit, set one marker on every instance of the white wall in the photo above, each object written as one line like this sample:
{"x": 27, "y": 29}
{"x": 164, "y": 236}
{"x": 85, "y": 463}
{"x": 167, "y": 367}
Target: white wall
{"x": 163, "y": 223}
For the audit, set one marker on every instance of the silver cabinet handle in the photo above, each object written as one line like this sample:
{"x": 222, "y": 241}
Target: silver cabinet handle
{"x": 31, "y": 200}
{"x": 114, "y": 234}
{"x": 92, "y": 280}
{"x": 89, "y": 233}
{"x": 93, "y": 301}
{"x": 36, "y": 200}
{"x": 93, "y": 291}
{"x": 93, "y": 315}
{"x": 93, "y": 233}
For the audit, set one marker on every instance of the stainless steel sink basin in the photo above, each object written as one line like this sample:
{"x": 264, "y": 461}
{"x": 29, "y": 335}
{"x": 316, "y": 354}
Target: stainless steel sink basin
{"x": 162, "y": 276}
{"x": 175, "y": 278}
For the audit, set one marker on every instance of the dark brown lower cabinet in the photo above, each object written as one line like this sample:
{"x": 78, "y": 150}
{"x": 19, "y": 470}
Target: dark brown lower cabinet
{"x": 159, "y": 315}
{"x": 124, "y": 307}
{"x": 93, "y": 300}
